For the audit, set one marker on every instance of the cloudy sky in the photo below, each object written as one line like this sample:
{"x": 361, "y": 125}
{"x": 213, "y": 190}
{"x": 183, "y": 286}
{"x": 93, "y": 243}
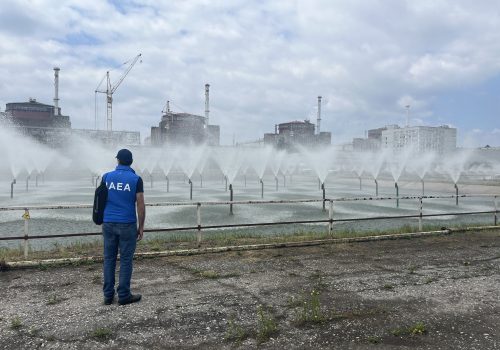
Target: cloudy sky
{"x": 266, "y": 62}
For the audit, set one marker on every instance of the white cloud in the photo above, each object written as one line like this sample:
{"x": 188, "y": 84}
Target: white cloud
{"x": 266, "y": 62}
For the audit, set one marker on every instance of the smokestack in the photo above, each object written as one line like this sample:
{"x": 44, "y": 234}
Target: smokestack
{"x": 318, "y": 123}
{"x": 56, "y": 92}
{"x": 207, "y": 88}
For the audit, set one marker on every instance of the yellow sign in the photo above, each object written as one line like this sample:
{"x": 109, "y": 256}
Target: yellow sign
{"x": 26, "y": 215}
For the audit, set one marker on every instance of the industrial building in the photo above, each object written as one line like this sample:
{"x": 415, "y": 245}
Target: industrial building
{"x": 289, "y": 135}
{"x": 185, "y": 128}
{"x": 46, "y": 124}
{"x": 441, "y": 139}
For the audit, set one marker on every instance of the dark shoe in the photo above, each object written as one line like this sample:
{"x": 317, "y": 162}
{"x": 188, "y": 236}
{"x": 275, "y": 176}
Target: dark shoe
{"x": 134, "y": 298}
{"x": 109, "y": 301}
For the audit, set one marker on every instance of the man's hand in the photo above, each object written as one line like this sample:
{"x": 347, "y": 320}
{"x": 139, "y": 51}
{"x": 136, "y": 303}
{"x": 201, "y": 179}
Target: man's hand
{"x": 141, "y": 213}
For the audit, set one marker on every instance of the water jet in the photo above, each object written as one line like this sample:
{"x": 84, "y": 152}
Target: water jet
{"x": 231, "y": 199}
{"x": 190, "y": 189}
{"x": 12, "y": 188}
{"x": 397, "y": 194}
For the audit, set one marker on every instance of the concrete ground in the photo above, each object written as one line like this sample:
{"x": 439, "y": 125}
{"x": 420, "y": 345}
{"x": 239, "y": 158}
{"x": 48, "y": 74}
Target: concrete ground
{"x": 424, "y": 293}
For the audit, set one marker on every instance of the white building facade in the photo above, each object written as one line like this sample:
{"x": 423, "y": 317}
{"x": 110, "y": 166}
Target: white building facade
{"x": 441, "y": 139}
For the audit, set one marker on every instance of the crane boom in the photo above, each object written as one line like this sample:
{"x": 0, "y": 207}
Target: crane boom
{"x": 110, "y": 89}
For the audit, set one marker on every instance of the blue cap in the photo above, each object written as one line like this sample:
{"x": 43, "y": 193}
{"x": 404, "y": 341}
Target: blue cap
{"x": 124, "y": 156}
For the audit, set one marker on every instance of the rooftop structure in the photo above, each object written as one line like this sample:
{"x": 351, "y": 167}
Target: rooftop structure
{"x": 184, "y": 128}
{"x": 296, "y": 133}
{"x": 441, "y": 139}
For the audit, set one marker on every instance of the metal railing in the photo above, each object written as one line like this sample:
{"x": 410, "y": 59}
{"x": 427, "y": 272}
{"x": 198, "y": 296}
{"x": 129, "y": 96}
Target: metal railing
{"x": 199, "y": 227}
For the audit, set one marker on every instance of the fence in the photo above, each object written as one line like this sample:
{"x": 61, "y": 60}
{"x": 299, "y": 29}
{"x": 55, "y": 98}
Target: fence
{"x": 199, "y": 227}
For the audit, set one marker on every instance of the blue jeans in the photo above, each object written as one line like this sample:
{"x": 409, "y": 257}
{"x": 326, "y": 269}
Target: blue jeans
{"x": 124, "y": 237}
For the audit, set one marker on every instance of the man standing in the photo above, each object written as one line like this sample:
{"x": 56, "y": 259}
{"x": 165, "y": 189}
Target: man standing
{"x": 119, "y": 229}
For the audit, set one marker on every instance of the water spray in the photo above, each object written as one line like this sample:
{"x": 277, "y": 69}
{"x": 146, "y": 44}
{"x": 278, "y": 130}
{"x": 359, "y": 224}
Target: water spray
{"x": 376, "y": 187}
{"x": 456, "y": 193}
{"x": 151, "y": 179}
{"x": 27, "y": 182}
{"x": 397, "y": 194}
{"x": 201, "y": 181}
{"x": 319, "y": 183}
{"x": 12, "y": 188}
{"x": 168, "y": 183}
{"x": 190, "y": 189}
{"x": 423, "y": 187}
{"x": 245, "y": 177}
{"x": 276, "y": 180}
{"x": 231, "y": 199}
{"x": 360, "y": 183}
{"x": 225, "y": 178}
{"x": 36, "y": 180}
{"x": 284, "y": 180}
{"x": 324, "y": 195}
{"x": 261, "y": 188}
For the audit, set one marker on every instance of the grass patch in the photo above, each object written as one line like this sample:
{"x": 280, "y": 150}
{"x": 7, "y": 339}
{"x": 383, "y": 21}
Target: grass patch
{"x": 16, "y": 323}
{"x": 417, "y": 329}
{"x": 101, "y": 333}
{"x": 311, "y": 311}
{"x": 388, "y": 286}
{"x": 53, "y": 300}
{"x": 235, "y": 332}
{"x": 374, "y": 339}
{"x": 266, "y": 325}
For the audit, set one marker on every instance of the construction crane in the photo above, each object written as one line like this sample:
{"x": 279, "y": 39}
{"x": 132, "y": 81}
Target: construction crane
{"x": 110, "y": 89}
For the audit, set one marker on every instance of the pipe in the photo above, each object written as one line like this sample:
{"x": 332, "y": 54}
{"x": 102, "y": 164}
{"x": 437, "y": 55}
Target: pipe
{"x": 397, "y": 194}
{"x": 207, "y": 101}
{"x": 190, "y": 189}
{"x": 12, "y": 188}
{"x": 318, "y": 122}
{"x": 423, "y": 187}
{"x": 276, "y": 180}
{"x": 231, "y": 199}
{"x": 324, "y": 195}
{"x": 56, "y": 92}
{"x": 376, "y": 187}
{"x": 27, "y": 182}
{"x": 456, "y": 193}
{"x": 261, "y": 188}
{"x": 168, "y": 183}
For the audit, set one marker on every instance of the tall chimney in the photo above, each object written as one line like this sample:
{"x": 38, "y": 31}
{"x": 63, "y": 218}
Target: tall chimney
{"x": 318, "y": 123}
{"x": 56, "y": 92}
{"x": 207, "y": 88}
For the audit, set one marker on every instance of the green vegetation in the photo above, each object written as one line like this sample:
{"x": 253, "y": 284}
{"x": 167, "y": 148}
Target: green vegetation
{"x": 266, "y": 325}
{"x": 374, "y": 339}
{"x": 16, "y": 323}
{"x": 101, "y": 333}
{"x": 311, "y": 309}
{"x": 172, "y": 241}
{"x": 235, "y": 332}
{"x": 53, "y": 299}
{"x": 388, "y": 286}
{"x": 417, "y": 329}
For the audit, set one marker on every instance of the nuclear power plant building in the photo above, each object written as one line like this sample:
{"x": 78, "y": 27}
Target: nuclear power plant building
{"x": 297, "y": 133}
{"x": 184, "y": 128}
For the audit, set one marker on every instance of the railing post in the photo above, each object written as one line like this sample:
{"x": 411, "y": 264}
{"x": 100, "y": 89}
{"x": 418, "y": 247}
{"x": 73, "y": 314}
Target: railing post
{"x": 330, "y": 219}
{"x": 421, "y": 209}
{"x": 496, "y": 210}
{"x": 26, "y": 217}
{"x": 198, "y": 219}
